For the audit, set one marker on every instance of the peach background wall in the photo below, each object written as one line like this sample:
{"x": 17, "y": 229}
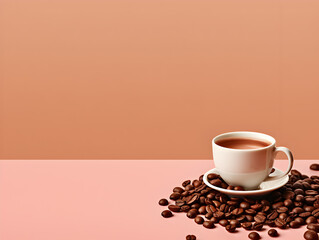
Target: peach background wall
{"x": 155, "y": 79}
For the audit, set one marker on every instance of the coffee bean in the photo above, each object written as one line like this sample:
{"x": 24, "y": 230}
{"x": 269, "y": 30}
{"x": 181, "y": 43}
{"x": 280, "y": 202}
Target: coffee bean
{"x": 212, "y": 176}
{"x": 283, "y": 216}
{"x": 288, "y": 203}
{"x": 254, "y": 236}
{"x": 313, "y": 226}
{"x": 295, "y": 172}
{"x": 230, "y": 187}
{"x": 189, "y": 187}
{"x": 273, "y": 215}
{"x": 315, "y": 212}
{"x": 298, "y": 210}
{"x": 232, "y": 203}
{"x": 175, "y": 196}
{"x": 299, "y": 191}
{"x": 199, "y": 220}
{"x": 217, "y": 203}
{"x": 260, "y": 218}
{"x": 277, "y": 205}
{"x": 237, "y": 211}
{"x": 202, "y": 210}
{"x": 234, "y": 222}
{"x": 294, "y": 224}
{"x": 223, "y": 222}
{"x": 178, "y": 190}
{"x": 244, "y": 205}
{"x": 282, "y": 209}
{"x": 185, "y": 183}
{"x": 314, "y": 166}
{"x": 209, "y": 215}
{"x": 249, "y": 218}
{"x": 311, "y": 192}
{"x": 192, "y": 213}
{"x": 250, "y": 211}
{"x": 216, "y": 182}
{"x": 258, "y": 226}
{"x": 218, "y": 215}
{"x": 210, "y": 208}
{"x": 311, "y": 219}
{"x": 185, "y": 208}
{"x": 179, "y": 202}
{"x": 310, "y": 235}
{"x": 174, "y": 208}
{"x": 288, "y": 195}
{"x": 190, "y": 237}
{"x": 272, "y": 232}
{"x": 230, "y": 228}
{"x": 163, "y": 202}
{"x": 196, "y": 183}
{"x": 247, "y": 225}
{"x": 195, "y": 205}
{"x": 301, "y": 220}
{"x": 167, "y": 214}
{"x": 280, "y": 223}
{"x": 241, "y": 218}
{"x": 214, "y": 220}
{"x": 305, "y": 214}
{"x": 208, "y": 224}
{"x": 308, "y": 208}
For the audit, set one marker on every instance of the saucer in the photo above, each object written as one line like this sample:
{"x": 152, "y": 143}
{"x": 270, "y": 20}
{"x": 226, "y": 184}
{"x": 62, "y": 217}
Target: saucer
{"x": 264, "y": 188}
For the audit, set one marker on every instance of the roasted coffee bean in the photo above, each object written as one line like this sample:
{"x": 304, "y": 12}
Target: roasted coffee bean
{"x": 210, "y": 196}
{"x": 305, "y": 214}
{"x": 163, "y": 202}
{"x": 311, "y": 219}
{"x": 288, "y": 203}
{"x": 190, "y": 237}
{"x": 310, "y": 235}
{"x": 254, "y": 236}
{"x": 260, "y": 218}
{"x": 214, "y": 220}
{"x": 298, "y": 204}
{"x": 256, "y": 207}
{"x": 314, "y": 166}
{"x": 273, "y": 215}
{"x": 195, "y": 205}
{"x": 295, "y": 172}
{"x": 185, "y": 208}
{"x": 313, "y": 226}
{"x": 202, "y": 210}
{"x": 175, "y": 196}
{"x": 258, "y": 226}
{"x": 273, "y": 232}
{"x": 247, "y": 225}
{"x": 185, "y": 183}
{"x": 196, "y": 183}
{"x": 199, "y": 220}
{"x": 270, "y": 223}
{"x": 224, "y": 185}
{"x": 223, "y": 222}
{"x": 300, "y": 220}
{"x": 222, "y": 207}
{"x": 294, "y": 224}
{"x": 315, "y": 212}
{"x": 234, "y": 222}
{"x": 167, "y": 214}
{"x": 249, "y": 218}
{"x": 239, "y": 188}
{"x": 192, "y": 213}
{"x": 230, "y": 228}
{"x": 280, "y": 223}
{"x": 230, "y": 187}
{"x": 244, "y": 205}
{"x": 189, "y": 187}
{"x": 300, "y": 198}
{"x": 208, "y": 224}
{"x": 314, "y": 186}
{"x": 201, "y": 177}
{"x": 297, "y": 185}
{"x": 216, "y": 182}
{"x": 174, "y": 208}
{"x": 298, "y": 210}
{"x": 217, "y": 203}
{"x": 237, "y": 211}
{"x": 308, "y": 208}
{"x": 282, "y": 209}
{"x": 178, "y": 189}
{"x": 212, "y": 176}
{"x": 288, "y": 195}
{"x": 250, "y": 211}
{"x": 232, "y": 203}
{"x": 210, "y": 208}
{"x": 311, "y": 192}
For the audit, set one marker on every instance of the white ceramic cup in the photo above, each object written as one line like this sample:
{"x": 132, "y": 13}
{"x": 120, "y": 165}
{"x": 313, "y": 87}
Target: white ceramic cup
{"x": 247, "y": 167}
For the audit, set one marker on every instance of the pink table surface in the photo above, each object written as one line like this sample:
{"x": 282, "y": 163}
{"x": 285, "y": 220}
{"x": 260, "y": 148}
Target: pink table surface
{"x": 104, "y": 199}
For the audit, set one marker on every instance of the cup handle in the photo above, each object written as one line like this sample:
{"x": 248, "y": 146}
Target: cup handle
{"x": 290, "y": 159}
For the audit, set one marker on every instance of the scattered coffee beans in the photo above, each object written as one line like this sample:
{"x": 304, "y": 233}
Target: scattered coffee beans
{"x": 291, "y": 206}
{"x": 167, "y": 214}
{"x": 163, "y": 202}
{"x": 310, "y": 235}
{"x": 190, "y": 237}
{"x": 254, "y": 235}
{"x": 272, "y": 232}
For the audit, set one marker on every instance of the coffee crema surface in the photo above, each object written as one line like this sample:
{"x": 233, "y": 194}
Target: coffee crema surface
{"x": 242, "y": 143}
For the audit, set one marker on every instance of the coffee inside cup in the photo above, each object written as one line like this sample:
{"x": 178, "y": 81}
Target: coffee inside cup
{"x": 242, "y": 143}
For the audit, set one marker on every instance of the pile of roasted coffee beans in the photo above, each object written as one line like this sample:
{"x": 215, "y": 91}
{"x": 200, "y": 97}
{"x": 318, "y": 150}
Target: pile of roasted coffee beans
{"x": 292, "y": 206}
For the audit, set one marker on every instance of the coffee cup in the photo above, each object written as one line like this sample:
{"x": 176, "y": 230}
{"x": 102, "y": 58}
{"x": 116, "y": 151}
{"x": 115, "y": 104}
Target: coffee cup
{"x": 246, "y": 158}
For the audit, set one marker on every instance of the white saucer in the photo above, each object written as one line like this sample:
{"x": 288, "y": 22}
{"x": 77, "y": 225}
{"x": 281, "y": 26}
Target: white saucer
{"x": 264, "y": 188}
